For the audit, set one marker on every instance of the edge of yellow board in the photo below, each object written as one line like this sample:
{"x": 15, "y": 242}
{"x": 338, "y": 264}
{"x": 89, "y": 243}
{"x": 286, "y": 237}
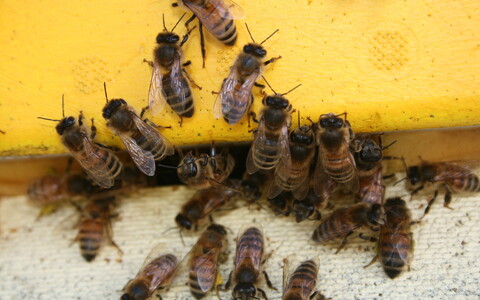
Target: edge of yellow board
{"x": 392, "y": 65}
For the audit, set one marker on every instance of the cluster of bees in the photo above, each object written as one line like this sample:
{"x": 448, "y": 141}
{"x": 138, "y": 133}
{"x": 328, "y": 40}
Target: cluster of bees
{"x": 297, "y": 170}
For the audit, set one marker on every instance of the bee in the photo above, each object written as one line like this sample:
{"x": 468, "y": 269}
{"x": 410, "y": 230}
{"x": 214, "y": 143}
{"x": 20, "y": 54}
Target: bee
{"x": 455, "y": 177}
{"x": 203, "y": 203}
{"x": 252, "y": 185}
{"x": 209, "y": 250}
{"x": 169, "y": 78}
{"x": 157, "y": 273}
{"x": 101, "y": 165}
{"x": 395, "y": 244}
{"x": 235, "y": 96}
{"x": 297, "y": 177}
{"x": 308, "y": 208}
{"x": 247, "y": 264}
{"x": 270, "y": 146}
{"x": 200, "y": 172}
{"x": 143, "y": 142}
{"x": 217, "y": 16}
{"x": 95, "y": 225}
{"x": 344, "y": 221}
{"x": 282, "y": 203}
{"x": 300, "y": 284}
{"x": 335, "y": 160}
{"x": 368, "y": 160}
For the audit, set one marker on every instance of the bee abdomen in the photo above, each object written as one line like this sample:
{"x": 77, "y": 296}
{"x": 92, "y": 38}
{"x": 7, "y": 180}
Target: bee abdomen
{"x": 326, "y": 231}
{"x": 393, "y": 253}
{"x": 221, "y": 26}
{"x": 469, "y": 183}
{"x": 267, "y": 156}
{"x": 339, "y": 169}
{"x": 182, "y": 103}
{"x": 90, "y": 238}
{"x": 195, "y": 288}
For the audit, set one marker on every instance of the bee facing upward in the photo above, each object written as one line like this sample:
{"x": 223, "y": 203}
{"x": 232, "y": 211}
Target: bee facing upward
{"x": 300, "y": 283}
{"x": 235, "y": 96}
{"x": 209, "y": 250}
{"x": 335, "y": 160}
{"x": 344, "y": 221}
{"x": 143, "y": 142}
{"x": 101, "y": 165}
{"x": 217, "y": 17}
{"x": 270, "y": 145}
{"x": 156, "y": 273}
{"x": 169, "y": 79}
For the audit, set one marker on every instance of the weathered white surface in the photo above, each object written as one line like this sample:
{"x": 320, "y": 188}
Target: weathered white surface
{"x": 36, "y": 261}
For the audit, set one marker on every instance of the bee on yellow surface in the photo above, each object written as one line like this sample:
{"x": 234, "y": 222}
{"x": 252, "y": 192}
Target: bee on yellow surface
{"x": 144, "y": 143}
{"x": 235, "y": 96}
{"x": 101, "y": 165}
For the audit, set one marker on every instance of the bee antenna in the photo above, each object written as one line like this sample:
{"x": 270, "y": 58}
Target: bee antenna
{"x": 175, "y": 24}
{"x": 404, "y": 164}
{"x": 383, "y": 148}
{"x": 269, "y": 36}
{"x": 168, "y": 167}
{"x": 181, "y": 236}
{"x": 163, "y": 20}
{"x": 180, "y": 152}
{"x": 105, "y": 90}
{"x": 249, "y": 33}
{"x": 63, "y": 105}
{"x": 48, "y": 119}
{"x": 292, "y": 89}
{"x": 169, "y": 229}
{"x": 310, "y": 119}
{"x": 400, "y": 180}
{"x": 268, "y": 84}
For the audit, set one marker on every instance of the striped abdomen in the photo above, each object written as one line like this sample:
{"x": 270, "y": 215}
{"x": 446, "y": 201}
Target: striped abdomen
{"x": 339, "y": 167}
{"x": 160, "y": 271}
{"x": 394, "y": 250}
{"x": 218, "y": 22}
{"x": 371, "y": 188}
{"x": 268, "y": 154}
{"x": 154, "y": 146}
{"x": 180, "y": 101}
{"x": 249, "y": 254}
{"x": 337, "y": 225}
{"x": 47, "y": 190}
{"x": 207, "y": 274}
{"x": 469, "y": 183}
{"x": 234, "y": 113}
{"x": 109, "y": 163}
{"x": 302, "y": 282}
{"x": 90, "y": 237}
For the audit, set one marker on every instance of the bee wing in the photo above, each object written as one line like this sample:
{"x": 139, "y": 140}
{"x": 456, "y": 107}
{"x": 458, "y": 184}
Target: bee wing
{"x": 260, "y": 139}
{"x": 156, "y": 96}
{"x": 455, "y": 170}
{"x": 154, "y": 137}
{"x": 291, "y": 264}
{"x": 353, "y": 184}
{"x": 402, "y": 240}
{"x": 203, "y": 266}
{"x": 179, "y": 82}
{"x": 321, "y": 181}
{"x": 93, "y": 164}
{"x": 227, "y": 8}
{"x": 142, "y": 158}
{"x": 373, "y": 192}
{"x": 249, "y": 248}
{"x": 302, "y": 190}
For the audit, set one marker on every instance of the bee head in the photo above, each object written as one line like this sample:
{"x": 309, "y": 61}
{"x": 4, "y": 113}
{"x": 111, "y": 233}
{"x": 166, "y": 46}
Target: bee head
{"x": 331, "y": 121}
{"x": 370, "y": 152}
{"x": 413, "y": 174}
{"x": 276, "y": 101}
{"x": 251, "y": 191}
{"x": 255, "y": 50}
{"x": 137, "y": 291}
{"x": 111, "y": 106}
{"x": 167, "y": 38}
{"x": 376, "y": 215}
{"x": 302, "y": 210}
{"x": 395, "y": 201}
{"x": 188, "y": 166}
{"x": 244, "y": 290}
{"x": 64, "y": 124}
{"x": 217, "y": 228}
{"x": 183, "y": 222}
{"x": 302, "y": 135}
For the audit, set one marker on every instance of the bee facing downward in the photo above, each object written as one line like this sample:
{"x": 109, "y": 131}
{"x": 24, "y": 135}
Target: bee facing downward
{"x": 169, "y": 78}
{"x": 101, "y": 165}
{"x": 143, "y": 142}
{"x": 235, "y": 96}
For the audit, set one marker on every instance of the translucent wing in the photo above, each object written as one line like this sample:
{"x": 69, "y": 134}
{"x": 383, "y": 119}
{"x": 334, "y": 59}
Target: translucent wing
{"x": 94, "y": 164}
{"x": 402, "y": 242}
{"x": 353, "y": 184}
{"x": 226, "y": 96}
{"x": 455, "y": 170}
{"x": 250, "y": 249}
{"x": 308, "y": 282}
{"x": 156, "y": 96}
{"x": 321, "y": 180}
{"x": 154, "y": 137}
{"x": 203, "y": 268}
{"x": 302, "y": 190}
{"x": 285, "y": 158}
{"x": 371, "y": 188}
{"x": 179, "y": 86}
{"x": 142, "y": 158}
{"x": 226, "y": 8}
{"x": 260, "y": 139}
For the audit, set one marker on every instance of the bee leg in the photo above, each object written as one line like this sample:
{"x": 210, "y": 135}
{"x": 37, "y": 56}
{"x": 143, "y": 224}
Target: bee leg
{"x": 149, "y": 62}
{"x": 155, "y": 125}
{"x": 229, "y": 282}
{"x": 143, "y": 111}
{"x": 202, "y": 44}
{"x": 93, "y": 130}
{"x": 174, "y": 4}
{"x": 181, "y": 121}
{"x": 253, "y": 116}
{"x": 367, "y": 238}
{"x": 109, "y": 234}
{"x": 271, "y": 60}
{"x": 114, "y": 149}
{"x": 374, "y": 259}
{"x": 429, "y": 205}
{"x": 344, "y": 242}
{"x": 448, "y": 197}
{"x": 269, "y": 283}
{"x": 190, "y": 21}
{"x": 80, "y": 118}
{"x": 191, "y": 80}
{"x": 317, "y": 296}
{"x": 416, "y": 191}
{"x": 2, "y": 132}
{"x": 259, "y": 85}
{"x": 388, "y": 176}
{"x": 264, "y": 295}
{"x": 187, "y": 63}
{"x": 210, "y": 218}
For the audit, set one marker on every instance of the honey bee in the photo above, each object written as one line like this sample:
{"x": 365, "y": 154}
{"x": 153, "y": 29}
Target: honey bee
{"x": 169, "y": 78}
{"x": 344, "y": 221}
{"x": 101, "y": 165}
{"x": 395, "y": 244}
{"x": 455, "y": 177}
{"x": 282, "y": 203}
{"x": 235, "y": 96}
{"x": 200, "y": 172}
{"x": 95, "y": 225}
{"x": 270, "y": 146}
{"x": 296, "y": 178}
{"x": 300, "y": 283}
{"x": 156, "y": 273}
{"x": 335, "y": 160}
{"x": 247, "y": 264}
{"x": 209, "y": 250}
{"x": 252, "y": 185}
{"x": 143, "y": 142}
{"x": 308, "y": 208}
{"x": 217, "y": 16}
{"x": 203, "y": 203}
{"x": 368, "y": 160}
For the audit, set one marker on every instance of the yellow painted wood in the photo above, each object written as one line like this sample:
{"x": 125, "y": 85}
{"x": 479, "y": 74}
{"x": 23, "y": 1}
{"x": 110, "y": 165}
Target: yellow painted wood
{"x": 392, "y": 65}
